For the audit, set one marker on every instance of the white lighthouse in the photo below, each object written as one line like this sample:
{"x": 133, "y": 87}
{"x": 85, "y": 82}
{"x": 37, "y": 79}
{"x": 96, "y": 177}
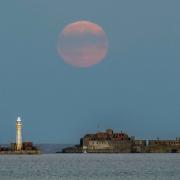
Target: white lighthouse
{"x": 18, "y": 134}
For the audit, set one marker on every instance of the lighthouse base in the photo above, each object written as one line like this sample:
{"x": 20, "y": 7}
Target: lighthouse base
{"x": 23, "y": 152}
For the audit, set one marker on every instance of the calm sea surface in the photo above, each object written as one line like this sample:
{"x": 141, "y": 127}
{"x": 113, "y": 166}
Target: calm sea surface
{"x": 90, "y": 167}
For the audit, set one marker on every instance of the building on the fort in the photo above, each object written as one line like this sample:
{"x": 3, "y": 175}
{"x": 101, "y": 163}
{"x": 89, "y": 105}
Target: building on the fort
{"x": 107, "y": 142}
{"x": 164, "y": 146}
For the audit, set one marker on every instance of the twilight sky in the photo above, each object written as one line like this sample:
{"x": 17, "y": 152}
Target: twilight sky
{"x": 135, "y": 88}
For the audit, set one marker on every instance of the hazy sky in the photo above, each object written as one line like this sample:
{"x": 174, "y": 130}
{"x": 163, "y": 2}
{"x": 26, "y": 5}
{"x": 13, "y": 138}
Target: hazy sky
{"x": 135, "y": 89}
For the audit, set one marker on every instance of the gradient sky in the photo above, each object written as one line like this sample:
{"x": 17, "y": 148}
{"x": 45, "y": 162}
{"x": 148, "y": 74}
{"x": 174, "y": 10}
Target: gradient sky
{"x": 135, "y": 89}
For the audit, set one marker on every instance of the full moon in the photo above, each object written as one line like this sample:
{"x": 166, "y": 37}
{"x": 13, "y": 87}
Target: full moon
{"x": 82, "y": 44}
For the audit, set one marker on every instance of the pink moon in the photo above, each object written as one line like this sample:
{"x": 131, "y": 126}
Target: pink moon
{"x": 82, "y": 44}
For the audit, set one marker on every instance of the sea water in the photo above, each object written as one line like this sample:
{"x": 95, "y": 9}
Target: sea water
{"x": 90, "y": 167}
